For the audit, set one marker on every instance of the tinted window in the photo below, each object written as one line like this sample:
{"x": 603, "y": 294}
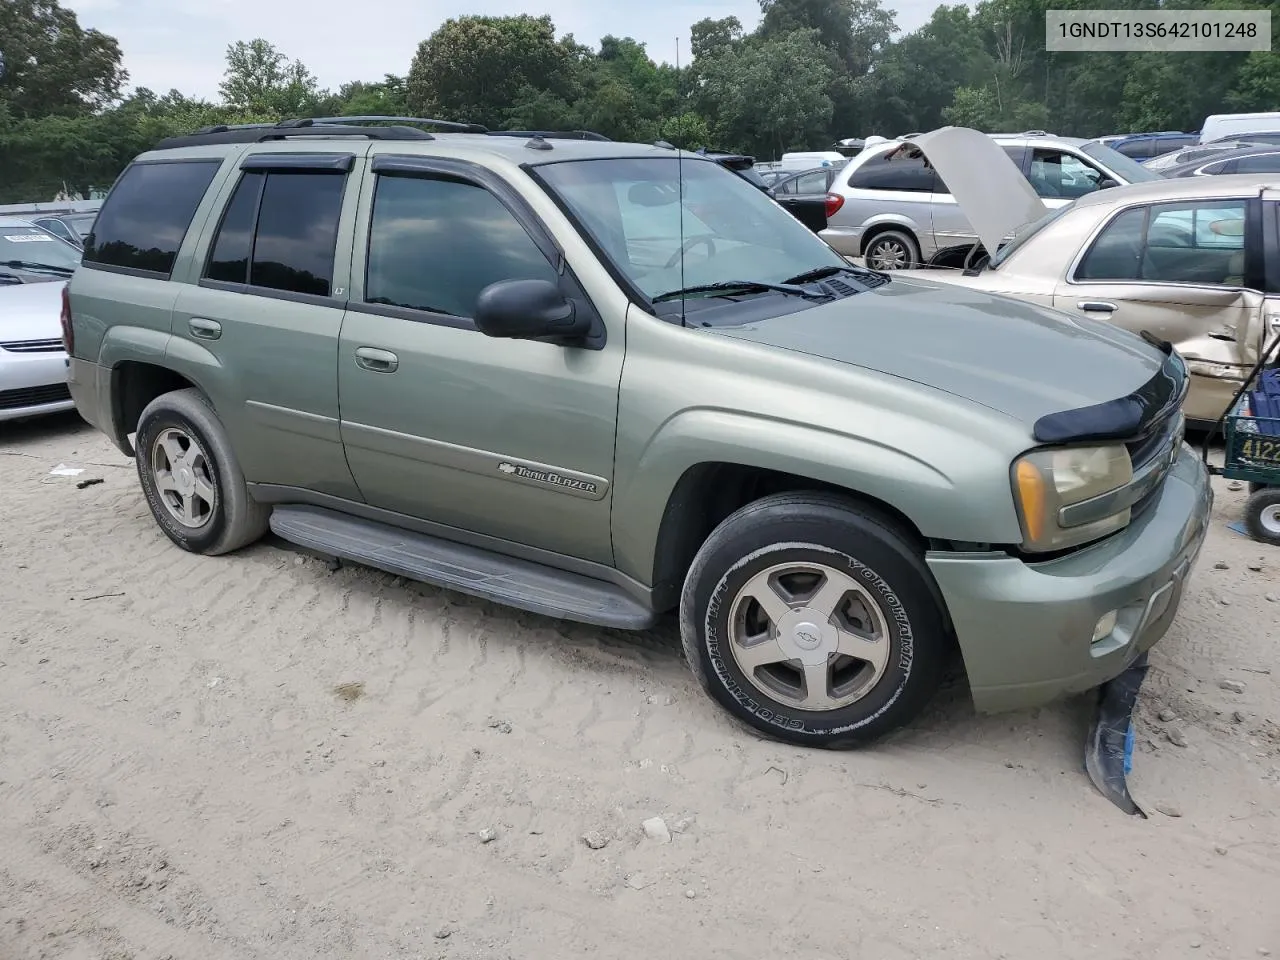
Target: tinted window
{"x": 297, "y": 232}
{"x": 1017, "y": 154}
{"x": 435, "y": 244}
{"x": 880, "y": 173}
{"x": 229, "y": 261}
{"x": 55, "y": 226}
{"x": 147, "y": 215}
{"x": 1261, "y": 163}
{"x": 787, "y": 188}
{"x": 1200, "y": 243}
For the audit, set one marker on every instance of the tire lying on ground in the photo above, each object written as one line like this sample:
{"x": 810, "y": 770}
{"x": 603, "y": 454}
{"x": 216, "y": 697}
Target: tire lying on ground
{"x": 191, "y": 479}
{"x": 814, "y": 619}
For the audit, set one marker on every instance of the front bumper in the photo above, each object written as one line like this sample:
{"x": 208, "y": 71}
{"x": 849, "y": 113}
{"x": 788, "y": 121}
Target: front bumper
{"x": 33, "y": 384}
{"x": 1025, "y": 629}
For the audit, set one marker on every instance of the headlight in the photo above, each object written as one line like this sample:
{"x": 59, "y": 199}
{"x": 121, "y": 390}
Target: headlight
{"x": 1046, "y": 481}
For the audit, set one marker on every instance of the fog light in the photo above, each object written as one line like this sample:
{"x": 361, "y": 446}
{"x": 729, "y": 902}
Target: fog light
{"x": 1106, "y": 626}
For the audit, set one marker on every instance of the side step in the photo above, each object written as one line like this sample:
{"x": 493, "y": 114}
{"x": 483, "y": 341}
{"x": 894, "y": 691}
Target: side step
{"x": 454, "y": 566}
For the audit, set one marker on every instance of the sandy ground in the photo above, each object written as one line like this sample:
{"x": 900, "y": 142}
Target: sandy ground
{"x": 256, "y": 757}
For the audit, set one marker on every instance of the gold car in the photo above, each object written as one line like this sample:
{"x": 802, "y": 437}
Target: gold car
{"x": 1193, "y": 261}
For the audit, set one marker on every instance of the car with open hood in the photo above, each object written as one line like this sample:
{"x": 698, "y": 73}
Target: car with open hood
{"x": 606, "y": 382}
{"x": 891, "y": 207}
{"x": 1192, "y": 261}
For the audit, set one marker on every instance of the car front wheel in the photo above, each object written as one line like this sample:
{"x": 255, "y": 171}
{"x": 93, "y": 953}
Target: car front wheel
{"x": 814, "y": 620}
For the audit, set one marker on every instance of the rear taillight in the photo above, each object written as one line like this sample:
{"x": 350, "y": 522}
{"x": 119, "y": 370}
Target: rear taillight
{"x": 68, "y": 334}
{"x": 833, "y": 203}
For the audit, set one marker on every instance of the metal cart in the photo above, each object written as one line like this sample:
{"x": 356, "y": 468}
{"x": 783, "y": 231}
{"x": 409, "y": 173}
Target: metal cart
{"x": 1252, "y": 448}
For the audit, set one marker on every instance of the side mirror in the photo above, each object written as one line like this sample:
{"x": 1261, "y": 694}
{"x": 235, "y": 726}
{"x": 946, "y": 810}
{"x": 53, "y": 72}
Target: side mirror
{"x": 1106, "y": 183}
{"x": 528, "y": 310}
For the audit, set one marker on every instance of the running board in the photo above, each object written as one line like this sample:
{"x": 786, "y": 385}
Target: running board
{"x": 454, "y": 566}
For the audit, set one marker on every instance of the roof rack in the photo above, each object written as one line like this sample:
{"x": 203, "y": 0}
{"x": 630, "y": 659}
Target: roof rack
{"x": 551, "y": 134}
{"x": 451, "y": 126}
{"x": 317, "y": 127}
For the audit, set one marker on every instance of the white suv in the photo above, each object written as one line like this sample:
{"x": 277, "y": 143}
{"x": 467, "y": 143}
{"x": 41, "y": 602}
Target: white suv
{"x": 896, "y": 211}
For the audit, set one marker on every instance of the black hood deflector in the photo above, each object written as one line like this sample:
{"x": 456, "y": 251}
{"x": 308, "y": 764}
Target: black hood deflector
{"x": 1125, "y": 418}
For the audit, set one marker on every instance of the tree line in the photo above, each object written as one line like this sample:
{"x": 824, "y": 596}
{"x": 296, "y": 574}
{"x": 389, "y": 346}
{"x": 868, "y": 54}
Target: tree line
{"x": 811, "y": 72}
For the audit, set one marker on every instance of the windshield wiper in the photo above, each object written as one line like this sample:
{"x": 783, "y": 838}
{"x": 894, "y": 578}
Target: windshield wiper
{"x": 36, "y": 267}
{"x": 821, "y": 273}
{"x": 742, "y": 286}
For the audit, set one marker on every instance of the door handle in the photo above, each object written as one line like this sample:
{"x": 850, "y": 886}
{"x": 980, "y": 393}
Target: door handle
{"x": 377, "y": 361}
{"x": 1096, "y": 306}
{"x": 203, "y": 329}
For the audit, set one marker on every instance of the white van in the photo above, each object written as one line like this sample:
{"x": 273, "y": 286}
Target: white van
{"x": 1222, "y": 125}
{"x": 812, "y": 159}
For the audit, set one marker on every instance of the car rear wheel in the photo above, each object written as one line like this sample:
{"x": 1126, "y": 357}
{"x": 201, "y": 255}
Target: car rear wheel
{"x": 191, "y": 478}
{"x": 814, "y": 620}
{"x": 892, "y": 250}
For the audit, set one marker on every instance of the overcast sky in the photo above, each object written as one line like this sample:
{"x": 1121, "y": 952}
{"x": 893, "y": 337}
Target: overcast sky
{"x": 182, "y": 43}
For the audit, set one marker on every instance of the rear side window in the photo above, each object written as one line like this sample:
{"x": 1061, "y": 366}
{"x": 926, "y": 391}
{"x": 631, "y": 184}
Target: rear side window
{"x": 1261, "y": 163}
{"x": 279, "y": 232}
{"x": 881, "y": 173}
{"x": 145, "y": 219}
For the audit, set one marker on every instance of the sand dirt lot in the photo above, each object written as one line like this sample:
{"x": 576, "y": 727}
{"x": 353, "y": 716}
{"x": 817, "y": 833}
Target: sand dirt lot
{"x": 254, "y": 757}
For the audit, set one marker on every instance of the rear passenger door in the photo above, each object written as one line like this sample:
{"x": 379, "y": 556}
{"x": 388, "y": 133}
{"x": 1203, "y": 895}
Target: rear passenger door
{"x": 259, "y": 322}
{"x": 510, "y": 439}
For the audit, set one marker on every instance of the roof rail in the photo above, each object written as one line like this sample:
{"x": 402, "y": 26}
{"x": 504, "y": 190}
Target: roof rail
{"x": 551, "y": 134}
{"x": 452, "y": 126}
{"x": 285, "y": 130}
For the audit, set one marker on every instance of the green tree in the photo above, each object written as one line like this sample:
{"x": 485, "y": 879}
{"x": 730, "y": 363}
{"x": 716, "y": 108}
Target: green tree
{"x": 770, "y": 95}
{"x": 385, "y": 98}
{"x": 708, "y": 37}
{"x": 262, "y": 79}
{"x": 479, "y": 68}
{"x": 52, "y": 64}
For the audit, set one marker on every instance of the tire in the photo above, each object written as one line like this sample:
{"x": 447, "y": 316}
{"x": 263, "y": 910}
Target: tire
{"x": 887, "y": 593}
{"x": 1262, "y": 515}
{"x": 890, "y": 247}
{"x": 184, "y": 457}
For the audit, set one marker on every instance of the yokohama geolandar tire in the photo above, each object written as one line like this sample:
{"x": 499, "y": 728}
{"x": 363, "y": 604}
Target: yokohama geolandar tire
{"x": 191, "y": 479}
{"x": 814, "y": 620}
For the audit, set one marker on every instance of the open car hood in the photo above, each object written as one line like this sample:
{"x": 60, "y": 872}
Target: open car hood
{"x": 989, "y": 188}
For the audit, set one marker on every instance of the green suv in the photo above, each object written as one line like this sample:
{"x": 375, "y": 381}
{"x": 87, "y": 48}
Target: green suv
{"x": 607, "y": 381}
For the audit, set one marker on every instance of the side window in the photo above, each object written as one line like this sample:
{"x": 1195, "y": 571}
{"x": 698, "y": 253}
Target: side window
{"x": 1017, "y": 154}
{"x": 279, "y": 232}
{"x": 1199, "y": 243}
{"x": 145, "y": 219}
{"x": 812, "y": 183}
{"x": 1059, "y": 175}
{"x": 56, "y": 227}
{"x": 880, "y": 173}
{"x": 1262, "y": 163}
{"x": 1216, "y": 169}
{"x": 435, "y": 244}
{"x": 1117, "y": 252}
{"x": 787, "y": 188}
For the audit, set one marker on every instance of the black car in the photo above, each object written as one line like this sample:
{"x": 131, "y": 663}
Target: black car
{"x": 804, "y": 195}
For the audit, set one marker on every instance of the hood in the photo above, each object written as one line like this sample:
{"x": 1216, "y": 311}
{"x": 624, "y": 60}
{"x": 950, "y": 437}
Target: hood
{"x": 31, "y": 311}
{"x": 1019, "y": 359}
{"x": 988, "y": 187}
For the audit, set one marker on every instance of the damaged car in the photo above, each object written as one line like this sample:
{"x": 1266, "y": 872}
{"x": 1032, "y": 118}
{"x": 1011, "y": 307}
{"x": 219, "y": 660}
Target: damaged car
{"x": 1194, "y": 261}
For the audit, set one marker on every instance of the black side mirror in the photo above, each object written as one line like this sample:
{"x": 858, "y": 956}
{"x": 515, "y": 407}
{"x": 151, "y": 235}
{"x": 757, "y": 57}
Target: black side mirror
{"x": 528, "y": 310}
{"x": 1106, "y": 183}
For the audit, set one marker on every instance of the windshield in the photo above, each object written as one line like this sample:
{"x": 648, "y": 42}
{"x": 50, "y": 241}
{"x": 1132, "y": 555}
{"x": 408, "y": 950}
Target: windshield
{"x": 1023, "y": 234}
{"x": 1128, "y": 169}
{"x": 29, "y": 244}
{"x": 725, "y": 230}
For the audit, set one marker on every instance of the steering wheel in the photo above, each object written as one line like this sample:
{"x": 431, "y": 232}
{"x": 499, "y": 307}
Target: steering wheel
{"x": 689, "y": 245}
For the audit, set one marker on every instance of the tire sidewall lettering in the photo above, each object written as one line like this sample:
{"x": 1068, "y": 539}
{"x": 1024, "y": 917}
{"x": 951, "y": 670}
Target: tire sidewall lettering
{"x": 748, "y": 698}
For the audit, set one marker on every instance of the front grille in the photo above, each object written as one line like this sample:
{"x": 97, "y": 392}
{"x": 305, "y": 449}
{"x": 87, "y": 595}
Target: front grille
{"x": 34, "y": 396}
{"x": 1154, "y": 451}
{"x": 32, "y": 346}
